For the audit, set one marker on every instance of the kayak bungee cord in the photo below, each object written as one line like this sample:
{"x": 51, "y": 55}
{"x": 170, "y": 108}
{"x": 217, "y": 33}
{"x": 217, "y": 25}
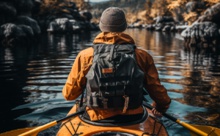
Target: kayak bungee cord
{"x": 154, "y": 129}
{"x": 73, "y": 127}
{"x": 75, "y": 130}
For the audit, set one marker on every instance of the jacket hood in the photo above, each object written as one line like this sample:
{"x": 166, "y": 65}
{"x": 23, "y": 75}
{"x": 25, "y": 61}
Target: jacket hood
{"x": 113, "y": 38}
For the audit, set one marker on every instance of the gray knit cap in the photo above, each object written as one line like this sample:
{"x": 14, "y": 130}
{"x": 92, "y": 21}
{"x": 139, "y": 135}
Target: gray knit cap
{"x": 113, "y": 20}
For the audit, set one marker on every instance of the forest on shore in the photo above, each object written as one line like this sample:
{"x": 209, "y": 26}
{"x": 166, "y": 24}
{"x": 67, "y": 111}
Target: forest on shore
{"x": 182, "y": 11}
{"x": 30, "y": 18}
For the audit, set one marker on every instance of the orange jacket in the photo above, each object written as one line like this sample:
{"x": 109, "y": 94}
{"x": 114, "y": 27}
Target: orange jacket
{"x": 76, "y": 80}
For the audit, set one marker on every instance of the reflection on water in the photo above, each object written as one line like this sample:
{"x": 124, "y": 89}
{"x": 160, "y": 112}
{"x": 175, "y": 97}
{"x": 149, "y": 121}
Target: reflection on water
{"x": 32, "y": 79}
{"x": 196, "y": 80}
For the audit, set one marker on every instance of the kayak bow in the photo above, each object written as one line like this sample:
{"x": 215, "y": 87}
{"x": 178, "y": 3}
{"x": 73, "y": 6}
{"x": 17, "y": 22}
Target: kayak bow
{"x": 131, "y": 125}
{"x": 76, "y": 124}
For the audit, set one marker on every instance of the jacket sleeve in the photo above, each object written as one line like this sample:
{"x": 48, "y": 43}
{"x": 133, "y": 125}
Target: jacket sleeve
{"x": 152, "y": 82}
{"x": 76, "y": 79}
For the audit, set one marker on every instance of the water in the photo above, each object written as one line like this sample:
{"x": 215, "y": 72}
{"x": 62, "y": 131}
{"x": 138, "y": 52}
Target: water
{"x": 32, "y": 79}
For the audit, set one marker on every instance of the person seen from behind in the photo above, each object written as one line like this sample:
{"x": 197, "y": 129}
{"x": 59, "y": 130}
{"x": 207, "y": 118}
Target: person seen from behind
{"x": 108, "y": 96}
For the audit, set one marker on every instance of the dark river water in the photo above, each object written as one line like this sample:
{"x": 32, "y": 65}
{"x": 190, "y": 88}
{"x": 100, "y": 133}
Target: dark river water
{"x": 32, "y": 78}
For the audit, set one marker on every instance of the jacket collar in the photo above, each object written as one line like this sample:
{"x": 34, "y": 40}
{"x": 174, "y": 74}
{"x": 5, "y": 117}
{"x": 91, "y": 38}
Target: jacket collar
{"x": 113, "y": 38}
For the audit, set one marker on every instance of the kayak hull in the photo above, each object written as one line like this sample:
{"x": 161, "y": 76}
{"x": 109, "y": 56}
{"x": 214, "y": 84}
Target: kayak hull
{"x": 77, "y": 126}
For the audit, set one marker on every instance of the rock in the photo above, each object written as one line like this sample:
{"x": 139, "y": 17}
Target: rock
{"x": 25, "y": 20}
{"x": 7, "y": 12}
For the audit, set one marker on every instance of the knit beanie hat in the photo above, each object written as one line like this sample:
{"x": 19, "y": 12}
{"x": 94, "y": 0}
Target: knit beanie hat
{"x": 113, "y": 20}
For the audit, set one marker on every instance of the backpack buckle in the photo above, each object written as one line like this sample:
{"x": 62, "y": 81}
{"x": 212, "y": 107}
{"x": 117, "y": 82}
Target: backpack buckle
{"x": 77, "y": 105}
{"x": 125, "y": 104}
{"x": 105, "y": 101}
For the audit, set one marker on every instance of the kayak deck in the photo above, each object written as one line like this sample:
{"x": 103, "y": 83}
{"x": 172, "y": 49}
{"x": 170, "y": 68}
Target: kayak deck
{"x": 146, "y": 126}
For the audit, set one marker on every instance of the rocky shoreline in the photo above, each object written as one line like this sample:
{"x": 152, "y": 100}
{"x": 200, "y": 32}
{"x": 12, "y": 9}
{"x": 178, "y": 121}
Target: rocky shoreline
{"x": 27, "y": 19}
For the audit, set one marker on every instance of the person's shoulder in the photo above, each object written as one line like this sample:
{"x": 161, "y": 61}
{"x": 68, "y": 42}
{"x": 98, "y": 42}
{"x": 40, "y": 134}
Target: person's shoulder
{"x": 142, "y": 51}
{"x": 142, "y": 54}
{"x": 86, "y": 52}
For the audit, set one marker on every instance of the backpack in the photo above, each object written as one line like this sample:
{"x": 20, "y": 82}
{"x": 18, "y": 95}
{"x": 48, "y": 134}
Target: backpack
{"x": 114, "y": 80}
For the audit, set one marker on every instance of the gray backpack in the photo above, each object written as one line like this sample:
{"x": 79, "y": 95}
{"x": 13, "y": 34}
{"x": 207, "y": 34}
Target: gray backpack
{"x": 114, "y": 80}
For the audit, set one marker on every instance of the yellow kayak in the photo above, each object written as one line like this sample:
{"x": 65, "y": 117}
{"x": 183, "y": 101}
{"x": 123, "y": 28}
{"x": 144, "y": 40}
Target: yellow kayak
{"x": 142, "y": 125}
{"x": 76, "y": 124}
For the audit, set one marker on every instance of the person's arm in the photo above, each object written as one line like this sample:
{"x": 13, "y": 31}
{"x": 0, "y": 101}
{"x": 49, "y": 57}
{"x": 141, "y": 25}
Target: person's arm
{"x": 152, "y": 82}
{"x": 72, "y": 88}
{"x": 156, "y": 91}
{"x": 76, "y": 80}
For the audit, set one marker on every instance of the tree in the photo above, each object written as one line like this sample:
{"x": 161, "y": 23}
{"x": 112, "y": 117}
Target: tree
{"x": 159, "y": 8}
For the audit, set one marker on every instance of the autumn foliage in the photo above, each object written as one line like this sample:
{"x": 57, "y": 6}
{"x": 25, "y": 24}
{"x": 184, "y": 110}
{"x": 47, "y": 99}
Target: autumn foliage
{"x": 181, "y": 10}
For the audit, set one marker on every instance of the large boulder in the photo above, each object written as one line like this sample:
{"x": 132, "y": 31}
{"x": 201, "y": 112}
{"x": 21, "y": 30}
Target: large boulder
{"x": 63, "y": 25}
{"x": 193, "y": 6}
{"x": 86, "y": 15}
{"x": 12, "y": 34}
{"x": 25, "y": 20}
{"x": 24, "y": 7}
{"x": 201, "y": 29}
{"x": 212, "y": 14}
{"x": 164, "y": 19}
{"x": 7, "y": 13}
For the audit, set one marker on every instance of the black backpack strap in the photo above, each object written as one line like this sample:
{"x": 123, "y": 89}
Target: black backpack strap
{"x": 112, "y": 52}
{"x": 81, "y": 100}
